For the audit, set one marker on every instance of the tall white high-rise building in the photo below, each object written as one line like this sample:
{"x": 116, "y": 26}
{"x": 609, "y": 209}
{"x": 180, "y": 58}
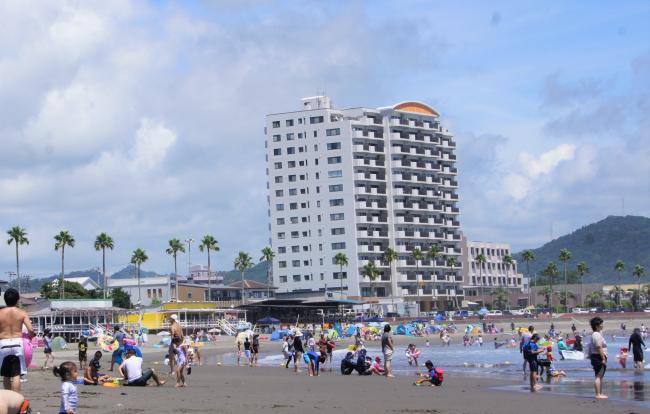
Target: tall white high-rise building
{"x": 358, "y": 181}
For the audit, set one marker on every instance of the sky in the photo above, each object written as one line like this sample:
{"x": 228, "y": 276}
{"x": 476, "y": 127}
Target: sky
{"x": 145, "y": 119}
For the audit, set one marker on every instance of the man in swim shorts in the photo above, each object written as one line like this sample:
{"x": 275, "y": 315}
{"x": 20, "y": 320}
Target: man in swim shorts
{"x": 12, "y": 356}
{"x": 387, "y": 348}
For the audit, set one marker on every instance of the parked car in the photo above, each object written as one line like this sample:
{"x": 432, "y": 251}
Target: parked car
{"x": 494, "y": 313}
{"x": 521, "y": 312}
{"x": 646, "y": 310}
{"x": 463, "y": 314}
{"x": 579, "y": 310}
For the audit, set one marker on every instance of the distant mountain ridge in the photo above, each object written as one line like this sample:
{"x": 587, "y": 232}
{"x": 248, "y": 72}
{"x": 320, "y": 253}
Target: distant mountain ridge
{"x": 600, "y": 244}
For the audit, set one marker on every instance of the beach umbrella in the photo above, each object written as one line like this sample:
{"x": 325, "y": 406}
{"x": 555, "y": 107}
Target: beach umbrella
{"x": 268, "y": 320}
{"x": 163, "y": 333}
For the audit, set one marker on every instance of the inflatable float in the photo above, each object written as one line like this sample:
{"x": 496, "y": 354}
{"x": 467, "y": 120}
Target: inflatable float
{"x": 574, "y": 355}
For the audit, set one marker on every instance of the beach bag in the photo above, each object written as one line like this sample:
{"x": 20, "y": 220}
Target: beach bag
{"x": 439, "y": 377}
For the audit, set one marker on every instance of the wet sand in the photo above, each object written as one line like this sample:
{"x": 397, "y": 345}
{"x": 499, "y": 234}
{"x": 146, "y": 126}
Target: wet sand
{"x": 228, "y": 389}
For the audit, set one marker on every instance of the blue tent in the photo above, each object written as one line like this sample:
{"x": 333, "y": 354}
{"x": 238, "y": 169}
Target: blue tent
{"x": 268, "y": 320}
{"x": 279, "y": 334}
{"x": 338, "y": 328}
{"x": 375, "y": 319}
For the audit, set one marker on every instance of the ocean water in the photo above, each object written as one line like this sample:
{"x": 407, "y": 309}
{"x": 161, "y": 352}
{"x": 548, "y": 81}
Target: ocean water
{"x": 487, "y": 362}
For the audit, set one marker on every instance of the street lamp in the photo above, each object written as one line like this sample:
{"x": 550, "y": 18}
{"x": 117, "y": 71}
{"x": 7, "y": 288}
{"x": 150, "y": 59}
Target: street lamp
{"x": 189, "y": 257}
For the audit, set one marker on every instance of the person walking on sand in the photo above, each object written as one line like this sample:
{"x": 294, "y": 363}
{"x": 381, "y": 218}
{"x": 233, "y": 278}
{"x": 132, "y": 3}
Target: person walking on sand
{"x": 525, "y": 338}
{"x": 387, "y": 348}
{"x": 47, "y": 348}
{"x": 12, "y": 355}
{"x": 298, "y": 351}
{"x": 598, "y": 355}
{"x": 634, "y": 344}
{"x": 531, "y": 351}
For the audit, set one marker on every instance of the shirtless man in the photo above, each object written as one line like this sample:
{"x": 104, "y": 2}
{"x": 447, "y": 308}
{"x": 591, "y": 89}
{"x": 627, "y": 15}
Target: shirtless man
{"x": 176, "y": 331}
{"x": 12, "y": 356}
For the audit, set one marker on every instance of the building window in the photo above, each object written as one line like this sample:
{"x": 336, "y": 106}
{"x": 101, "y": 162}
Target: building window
{"x": 160, "y": 293}
{"x": 149, "y": 293}
{"x": 277, "y": 151}
{"x": 280, "y": 221}
{"x": 281, "y": 235}
{"x": 278, "y": 179}
{"x": 301, "y": 135}
{"x": 292, "y": 178}
{"x": 282, "y": 250}
{"x": 277, "y": 165}
{"x": 276, "y": 124}
{"x": 277, "y": 138}
{"x": 293, "y": 191}
{"x": 332, "y": 132}
{"x": 291, "y": 150}
{"x": 335, "y": 173}
{"x": 295, "y": 234}
{"x": 290, "y": 136}
{"x": 295, "y": 249}
{"x": 340, "y": 275}
{"x": 283, "y": 279}
{"x": 189, "y": 295}
{"x": 316, "y": 119}
{"x": 332, "y": 160}
{"x": 289, "y": 122}
{"x": 336, "y": 202}
{"x": 334, "y": 188}
{"x": 295, "y": 263}
{"x": 334, "y": 146}
{"x": 338, "y": 231}
{"x": 279, "y": 207}
{"x": 338, "y": 246}
{"x": 294, "y": 220}
{"x": 296, "y": 278}
{"x": 293, "y": 206}
{"x": 337, "y": 216}
{"x": 315, "y": 134}
{"x": 279, "y": 193}
{"x": 291, "y": 164}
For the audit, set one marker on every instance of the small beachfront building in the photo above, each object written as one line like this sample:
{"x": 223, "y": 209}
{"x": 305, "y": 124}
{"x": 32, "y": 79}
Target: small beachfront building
{"x": 150, "y": 290}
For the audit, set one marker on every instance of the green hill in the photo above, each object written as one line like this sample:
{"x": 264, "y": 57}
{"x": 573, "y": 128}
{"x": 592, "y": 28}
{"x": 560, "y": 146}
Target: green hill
{"x": 600, "y": 244}
{"x": 256, "y": 273}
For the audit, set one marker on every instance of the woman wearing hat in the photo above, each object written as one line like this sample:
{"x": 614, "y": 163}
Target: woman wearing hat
{"x": 298, "y": 349}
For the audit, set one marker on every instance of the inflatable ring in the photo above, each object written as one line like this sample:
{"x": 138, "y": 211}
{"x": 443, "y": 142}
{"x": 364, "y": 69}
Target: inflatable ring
{"x": 110, "y": 385}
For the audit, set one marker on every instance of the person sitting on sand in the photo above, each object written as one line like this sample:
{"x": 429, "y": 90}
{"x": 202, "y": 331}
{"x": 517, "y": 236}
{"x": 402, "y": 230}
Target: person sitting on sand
{"x": 376, "y": 368}
{"x": 433, "y": 377}
{"x": 577, "y": 345}
{"x": 131, "y": 370}
{"x": 92, "y": 375}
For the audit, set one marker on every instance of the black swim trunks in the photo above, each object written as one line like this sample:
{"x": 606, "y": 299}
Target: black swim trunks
{"x": 598, "y": 364}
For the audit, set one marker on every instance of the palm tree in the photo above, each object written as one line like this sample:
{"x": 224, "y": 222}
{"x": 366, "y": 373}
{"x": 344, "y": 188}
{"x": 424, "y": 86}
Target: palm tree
{"x": 550, "y": 271}
{"x": 417, "y": 256}
{"x": 508, "y": 261}
{"x": 139, "y": 256}
{"x": 547, "y": 292}
{"x": 175, "y": 246}
{"x": 340, "y": 259}
{"x": 103, "y": 242}
{"x": 433, "y": 253}
{"x": 372, "y": 273}
{"x": 528, "y": 257}
{"x": 452, "y": 262}
{"x": 619, "y": 267}
{"x": 390, "y": 256}
{"x": 565, "y": 256}
{"x": 500, "y": 297}
{"x": 268, "y": 255}
{"x": 582, "y": 269}
{"x": 639, "y": 272}
{"x": 17, "y": 236}
{"x": 594, "y": 299}
{"x": 480, "y": 259}
{"x": 64, "y": 238}
{"x": 209, "y": 243}
{"x": 243, "y": 262}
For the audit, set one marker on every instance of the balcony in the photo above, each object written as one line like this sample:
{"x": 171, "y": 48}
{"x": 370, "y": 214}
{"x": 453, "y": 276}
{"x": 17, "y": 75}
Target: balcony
{"x": 357, "y": 162}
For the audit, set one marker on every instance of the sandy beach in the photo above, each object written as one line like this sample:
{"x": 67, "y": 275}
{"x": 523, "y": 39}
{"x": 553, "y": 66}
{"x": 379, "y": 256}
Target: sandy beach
{"x": 231, "y": 389}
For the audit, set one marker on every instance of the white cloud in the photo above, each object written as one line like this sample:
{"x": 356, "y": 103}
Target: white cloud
{"x": 533, "y": 166}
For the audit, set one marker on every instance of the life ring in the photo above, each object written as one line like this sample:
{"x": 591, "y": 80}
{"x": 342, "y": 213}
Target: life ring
{"x": 27, "y": 349}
